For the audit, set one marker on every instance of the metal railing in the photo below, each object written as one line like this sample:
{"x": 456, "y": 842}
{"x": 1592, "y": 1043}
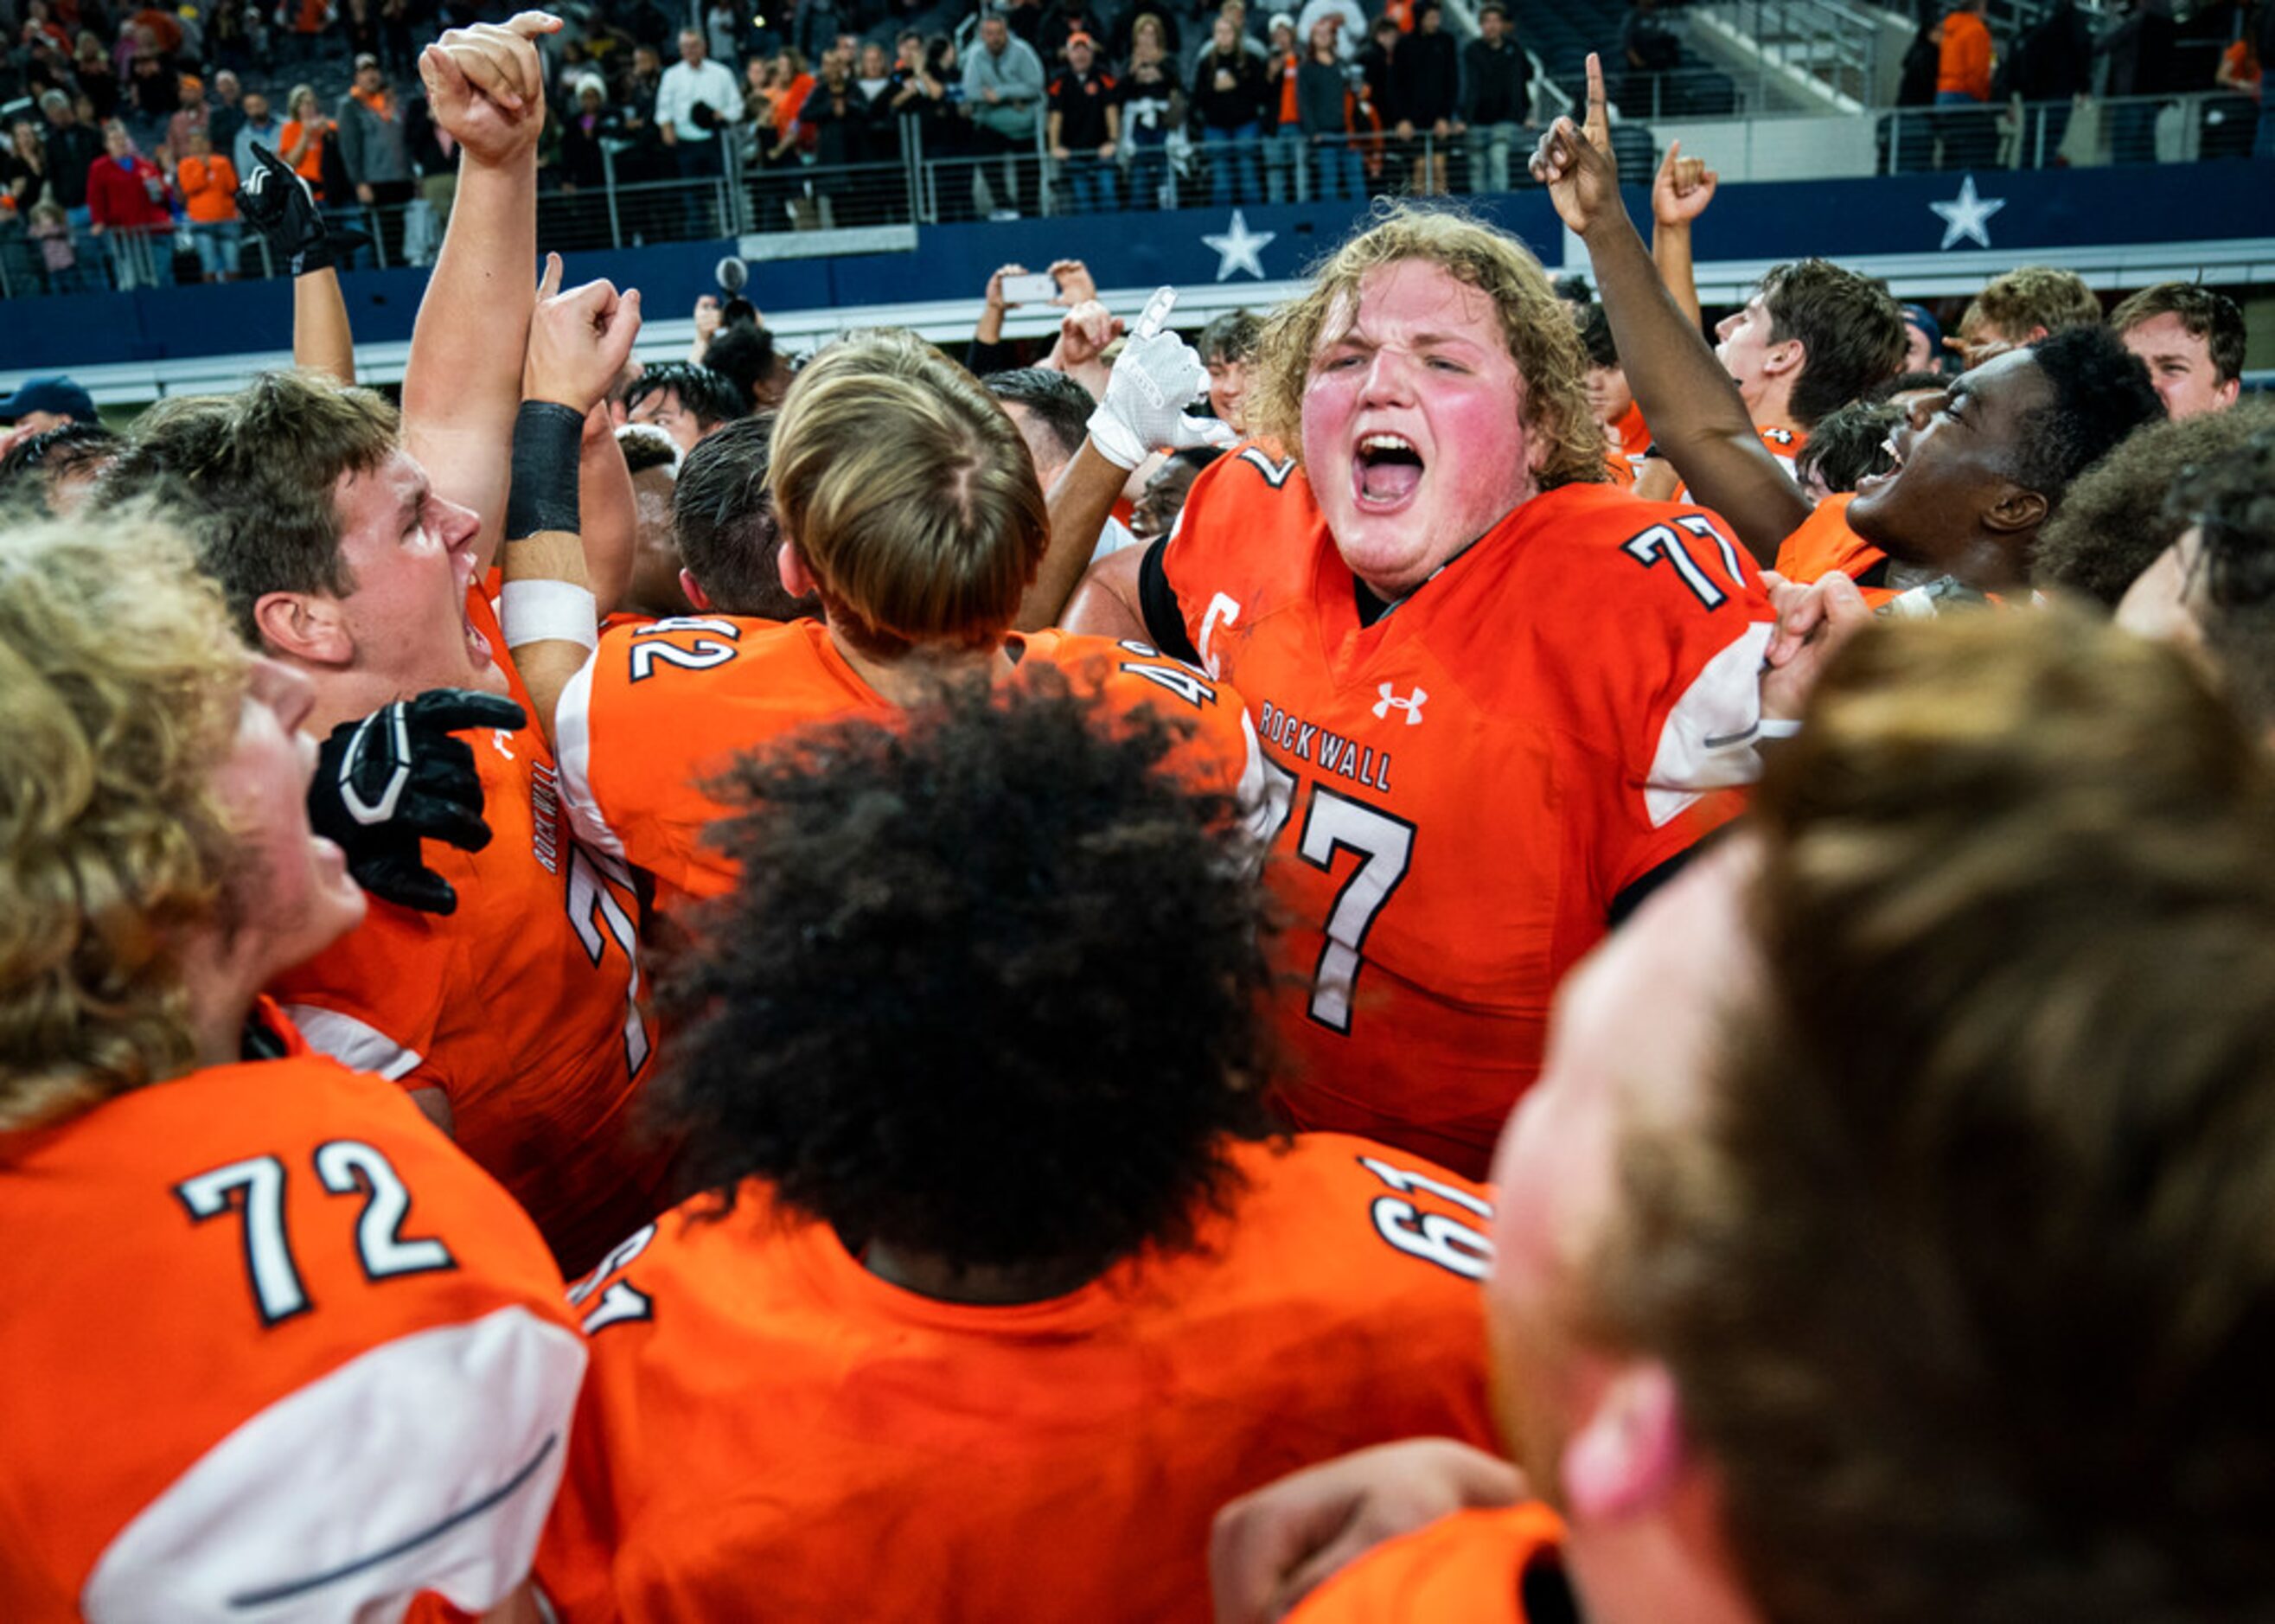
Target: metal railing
{"x": 1835, "y": 45}
{"x": 798, "y": 196}
{"x": 2084, "y": 132}
{"x": 1683, "y": 92}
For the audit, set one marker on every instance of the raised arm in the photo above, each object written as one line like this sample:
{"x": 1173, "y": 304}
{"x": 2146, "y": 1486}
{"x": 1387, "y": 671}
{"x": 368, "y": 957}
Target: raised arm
{"x": 610, "y": 512}
{"x": 579, "y": 342}
{"x": 1679, "y": 194}
{"x": 462, "y": 385}
{"x": 1693, "y": 407}
{"x": 278, "y": 203}
{"x": 1143, "y": 411}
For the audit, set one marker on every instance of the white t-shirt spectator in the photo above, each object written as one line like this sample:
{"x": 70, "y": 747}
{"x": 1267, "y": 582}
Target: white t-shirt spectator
{"x": 708, "y": 82}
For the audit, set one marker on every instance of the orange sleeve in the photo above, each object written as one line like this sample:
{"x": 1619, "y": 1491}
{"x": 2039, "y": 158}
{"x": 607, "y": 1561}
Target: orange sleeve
{"x": 1825, "y": 545}
{"x": 1473, "y": 1568}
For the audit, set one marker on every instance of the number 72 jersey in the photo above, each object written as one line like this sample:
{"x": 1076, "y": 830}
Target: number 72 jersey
{"x": 276, "y": 1349}
{"x": 1460, "y": 790}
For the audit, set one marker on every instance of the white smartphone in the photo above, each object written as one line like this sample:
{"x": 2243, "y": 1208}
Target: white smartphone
{"x": 1031, "y": 290}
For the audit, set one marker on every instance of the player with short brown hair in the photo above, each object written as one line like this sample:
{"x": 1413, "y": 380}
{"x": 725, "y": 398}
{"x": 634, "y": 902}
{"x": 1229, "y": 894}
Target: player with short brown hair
{"x": 2192, "y": 340}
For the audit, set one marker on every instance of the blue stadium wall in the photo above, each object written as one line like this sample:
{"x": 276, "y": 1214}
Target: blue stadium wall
{"x": 2121, "y": 226}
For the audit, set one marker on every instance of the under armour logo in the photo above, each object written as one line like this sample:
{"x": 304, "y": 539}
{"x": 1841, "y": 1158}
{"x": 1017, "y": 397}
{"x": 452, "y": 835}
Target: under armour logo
{"x": 1390, "y": 702}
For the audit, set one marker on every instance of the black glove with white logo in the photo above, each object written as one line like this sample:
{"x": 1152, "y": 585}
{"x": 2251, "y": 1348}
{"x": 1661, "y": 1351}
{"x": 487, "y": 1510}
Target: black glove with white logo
{"x": 397, "y": 777}
{"x": 276, "y": 201}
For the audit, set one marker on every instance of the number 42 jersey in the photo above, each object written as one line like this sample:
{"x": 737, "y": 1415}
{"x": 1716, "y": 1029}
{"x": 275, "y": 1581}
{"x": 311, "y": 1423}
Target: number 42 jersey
{"x": 1462, "y": 788}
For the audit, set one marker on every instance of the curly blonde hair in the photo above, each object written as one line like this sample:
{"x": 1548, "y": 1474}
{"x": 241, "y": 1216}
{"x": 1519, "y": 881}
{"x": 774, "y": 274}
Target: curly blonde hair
{"x": 120, "y": 684}
{"x": 1543, "y": 339}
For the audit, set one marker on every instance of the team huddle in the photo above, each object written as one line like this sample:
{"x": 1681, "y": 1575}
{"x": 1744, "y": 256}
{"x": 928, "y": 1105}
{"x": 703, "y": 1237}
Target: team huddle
{"x": 1512, "y": 1019}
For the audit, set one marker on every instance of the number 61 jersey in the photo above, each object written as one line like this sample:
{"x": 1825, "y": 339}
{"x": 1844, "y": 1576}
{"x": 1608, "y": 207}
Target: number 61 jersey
{"x": 1464, "y": 787}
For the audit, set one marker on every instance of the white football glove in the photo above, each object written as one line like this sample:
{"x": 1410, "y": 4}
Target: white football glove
{"x": 1157, "y": 376}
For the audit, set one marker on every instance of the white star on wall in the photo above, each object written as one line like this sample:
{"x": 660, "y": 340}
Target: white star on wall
{"x": 1967, "y": 216}
{"x": 1236, "y": 249}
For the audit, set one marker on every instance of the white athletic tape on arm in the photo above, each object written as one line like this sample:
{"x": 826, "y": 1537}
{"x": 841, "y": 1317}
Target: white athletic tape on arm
{"x": 549, "y": 612}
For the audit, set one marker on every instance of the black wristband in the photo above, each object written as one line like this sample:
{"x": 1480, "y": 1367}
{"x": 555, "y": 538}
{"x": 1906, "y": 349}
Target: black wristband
{"x": 548, "y": 438}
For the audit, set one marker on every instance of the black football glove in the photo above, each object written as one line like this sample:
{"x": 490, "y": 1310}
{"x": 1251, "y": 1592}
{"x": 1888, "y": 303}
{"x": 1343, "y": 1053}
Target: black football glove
{"x": 397, "y": 777}
{"x": 276, "y": 201}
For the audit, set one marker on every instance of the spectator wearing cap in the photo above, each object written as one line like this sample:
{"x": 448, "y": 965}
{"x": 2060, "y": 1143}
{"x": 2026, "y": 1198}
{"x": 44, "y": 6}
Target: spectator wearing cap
{"x": 1348, "y": 39}
{"x": 1286, "y": 177}
{"x": 1923, "y": 340}
{"x": 375, "y": 153}
{"x": 1084, "y": 128}
{"x": 1496, "y": 96}
{"x": 42, "y": 403}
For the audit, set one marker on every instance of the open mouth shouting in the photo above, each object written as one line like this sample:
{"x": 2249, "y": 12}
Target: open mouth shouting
{"x": 1894, "y": 445}
{"x": 1386, "y": 472}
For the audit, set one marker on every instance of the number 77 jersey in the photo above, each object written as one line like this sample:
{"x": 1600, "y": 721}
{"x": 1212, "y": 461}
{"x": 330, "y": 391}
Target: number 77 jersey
{"x": 1462, "y": 790}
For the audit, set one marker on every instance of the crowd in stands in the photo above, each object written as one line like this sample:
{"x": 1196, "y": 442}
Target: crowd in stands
{"x": 1460, "y": 952}
{"x": 130, "y": 132}
{"x": 2065, "y": 59}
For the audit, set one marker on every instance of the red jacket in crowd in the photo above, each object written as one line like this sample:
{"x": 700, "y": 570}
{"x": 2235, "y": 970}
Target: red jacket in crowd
{"x": 130, "y": 195}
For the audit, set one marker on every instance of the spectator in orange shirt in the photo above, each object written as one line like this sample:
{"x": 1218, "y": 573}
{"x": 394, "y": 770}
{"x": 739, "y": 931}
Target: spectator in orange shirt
{"x": 1962, "y": 81}
{"x": 300, "y": 143}
{"x": 1963, "y": 69}
{"x": 208, "y": 186}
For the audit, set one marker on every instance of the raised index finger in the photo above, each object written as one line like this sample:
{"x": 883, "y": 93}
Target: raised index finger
{"x": 1155, "y": 316}
{"x": 1598, "y": 120}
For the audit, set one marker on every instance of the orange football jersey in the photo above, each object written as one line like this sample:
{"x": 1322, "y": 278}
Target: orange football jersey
{"x": 662, "y": 708}
{"x": 1784, "y": 443}
{"x": 1462, "y": 788}
{"x": 1825, "y": 545}
{"x": 1627, "y": 446}
{"x": 1473, "y": 1568}
{"x": 770, "y": 1430}
{"x": 524, "y": 1007}
{"x": 275, "y": 1348}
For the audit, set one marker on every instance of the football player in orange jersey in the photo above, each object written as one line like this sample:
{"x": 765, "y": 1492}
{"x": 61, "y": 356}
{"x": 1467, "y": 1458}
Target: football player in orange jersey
{"x": 909, "y": 508}
{"x": 1812, "y": 337}
{"x": 516, "y": 1021}
{"x": 1776, "y": 1330}
{"x": 1978, "y": 470}
{"x": 274, "y": 1348}
{"x": 1491, "y": 689}
{"x": 1002, "y": 1289}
